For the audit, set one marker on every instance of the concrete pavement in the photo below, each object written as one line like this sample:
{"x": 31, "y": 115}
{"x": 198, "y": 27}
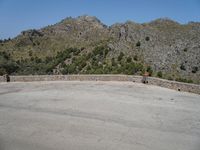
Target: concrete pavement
{"x": 85, "y": 115}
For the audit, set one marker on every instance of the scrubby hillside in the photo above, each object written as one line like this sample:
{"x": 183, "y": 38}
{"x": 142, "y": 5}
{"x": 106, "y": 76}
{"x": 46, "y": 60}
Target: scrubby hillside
{"x": 163, "y": 47}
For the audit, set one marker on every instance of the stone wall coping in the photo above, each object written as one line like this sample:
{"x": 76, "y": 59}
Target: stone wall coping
{"x": 172, "y": 81}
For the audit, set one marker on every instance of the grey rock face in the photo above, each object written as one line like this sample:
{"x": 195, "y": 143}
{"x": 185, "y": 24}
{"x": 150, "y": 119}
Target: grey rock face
{"x": 164, "y": 44}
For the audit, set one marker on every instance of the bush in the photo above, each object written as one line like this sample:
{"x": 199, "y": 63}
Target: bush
{"x": 121, "y": 55}
{"x": 138, "y": 44}
{"x": 64, "y": 71}
{"x": 149, "y": 70}
{"x": 80, "y": 61}
{"x": 129, "y": 59}
{"x": 38, "y": 60}
{"x": 48, "y": 59}
{"x": 76, "y": 51}
{"x": 10, "y": 67}
{"x": 159, "y": 74}
{"x": 184, "y": 80}
{"x": 170, "y": 78}
{"x": 113, "y": 62}
{"x": 71, "y": 69}
{"x": 182, "y": 67}
{"x": 106, "y": 52}
{"x": 98, "y": 71}
{"x": 2, "y": 71}
{"x": 4, "y": 55}
{"x": 7, "y": 65}
{"x": 131, "y": 68}
{"x": 98, "y": 51}
{"x": 194, "y": 69}
{"x": 135, "y": 58}
{"x": 30, "y": 53}
{"x": 147, "y": 38}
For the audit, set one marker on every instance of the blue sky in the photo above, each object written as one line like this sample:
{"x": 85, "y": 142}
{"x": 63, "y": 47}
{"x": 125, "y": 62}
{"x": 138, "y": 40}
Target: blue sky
{"x": 19, "y": 15}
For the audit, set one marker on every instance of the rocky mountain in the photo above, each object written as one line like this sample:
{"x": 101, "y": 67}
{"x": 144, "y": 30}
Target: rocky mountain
{"x": 163, "y": 47}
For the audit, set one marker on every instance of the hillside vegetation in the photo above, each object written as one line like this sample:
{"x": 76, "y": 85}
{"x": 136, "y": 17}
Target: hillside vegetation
{"x": 84, "y": 45}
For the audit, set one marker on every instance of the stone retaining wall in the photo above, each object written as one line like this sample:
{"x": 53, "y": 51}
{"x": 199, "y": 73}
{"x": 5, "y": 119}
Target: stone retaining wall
{"x": 151, "y": 80}
{"x": 187, "y": 87}
{"x": 75, "y": 77}
{"x": 2, "y": 79}
{"x": 70, "y": 78}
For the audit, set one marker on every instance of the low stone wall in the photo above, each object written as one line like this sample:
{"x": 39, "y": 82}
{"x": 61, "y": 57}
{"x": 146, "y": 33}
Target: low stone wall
{"x": 151, "y": 80}
{"x": 186, "y": 87}
{"x": 75, "y": 78}
{"x": 2, "y": 79}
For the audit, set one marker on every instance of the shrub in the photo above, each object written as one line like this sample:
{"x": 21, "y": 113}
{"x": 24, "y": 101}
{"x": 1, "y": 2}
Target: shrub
{"x": 80, "y": 61}
{"x": 38, "y": 60}
{"x": 10, "y": 67}
{"x": 107, "y": 69}
{"x": 106, "y": 52}
{"x": 170, "y": 78}
{"x": 76, "y": 51}
{"x": 64, "y": 71}
{"x": 130, "y": 68}
{"x": 98, "y": 51}
{"x": 98, "y": 71}
{"x": 159, "y": 74}
{"x": 185, "y": 49}
{"x": 184, "y": 80}
{"x": 113, "y": 62}
{"x": 121, "y": 55}
{"x": 135, "y": 58}
{"x": 138, "y": 44}
{"x": 7, "y": 65}
{"x": 71, "y": 69}
{"x": 190, "y": 81}
{"x": 4, "y": 55}
{"x": 129, "y": 59}
{"x": 182, "y": 67}
{"x": 62, "y": 56}
{"x": 2, "y": 71}
{"x": 32, "y": 58}
{"x": 30, "y": 53}
{"x": 48, "y": 59}
{"x": 194, "y": 69}
{"x": 136, "y": 67}
{"x": 88, "y": 68}
{"x": 147, "y": 38}
{"x": 89, "y": 55}
{"x": 149, "y": 70}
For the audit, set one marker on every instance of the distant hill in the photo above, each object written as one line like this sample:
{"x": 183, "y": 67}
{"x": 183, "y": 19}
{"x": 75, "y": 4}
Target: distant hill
{"x": 163, "y": 47}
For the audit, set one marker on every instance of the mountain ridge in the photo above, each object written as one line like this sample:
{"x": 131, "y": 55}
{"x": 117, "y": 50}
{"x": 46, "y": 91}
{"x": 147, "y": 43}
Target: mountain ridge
{"x": 163, "y": 44}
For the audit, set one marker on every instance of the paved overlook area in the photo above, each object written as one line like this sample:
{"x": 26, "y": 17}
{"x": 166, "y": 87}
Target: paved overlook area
{"x": 76, "y": 115}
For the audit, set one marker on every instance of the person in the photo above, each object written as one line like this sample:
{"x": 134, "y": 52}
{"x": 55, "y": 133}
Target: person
{"x": 145, "y": 78}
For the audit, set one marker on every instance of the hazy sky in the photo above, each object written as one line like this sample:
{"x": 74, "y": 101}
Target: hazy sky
{"x": 18, "y": 15}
